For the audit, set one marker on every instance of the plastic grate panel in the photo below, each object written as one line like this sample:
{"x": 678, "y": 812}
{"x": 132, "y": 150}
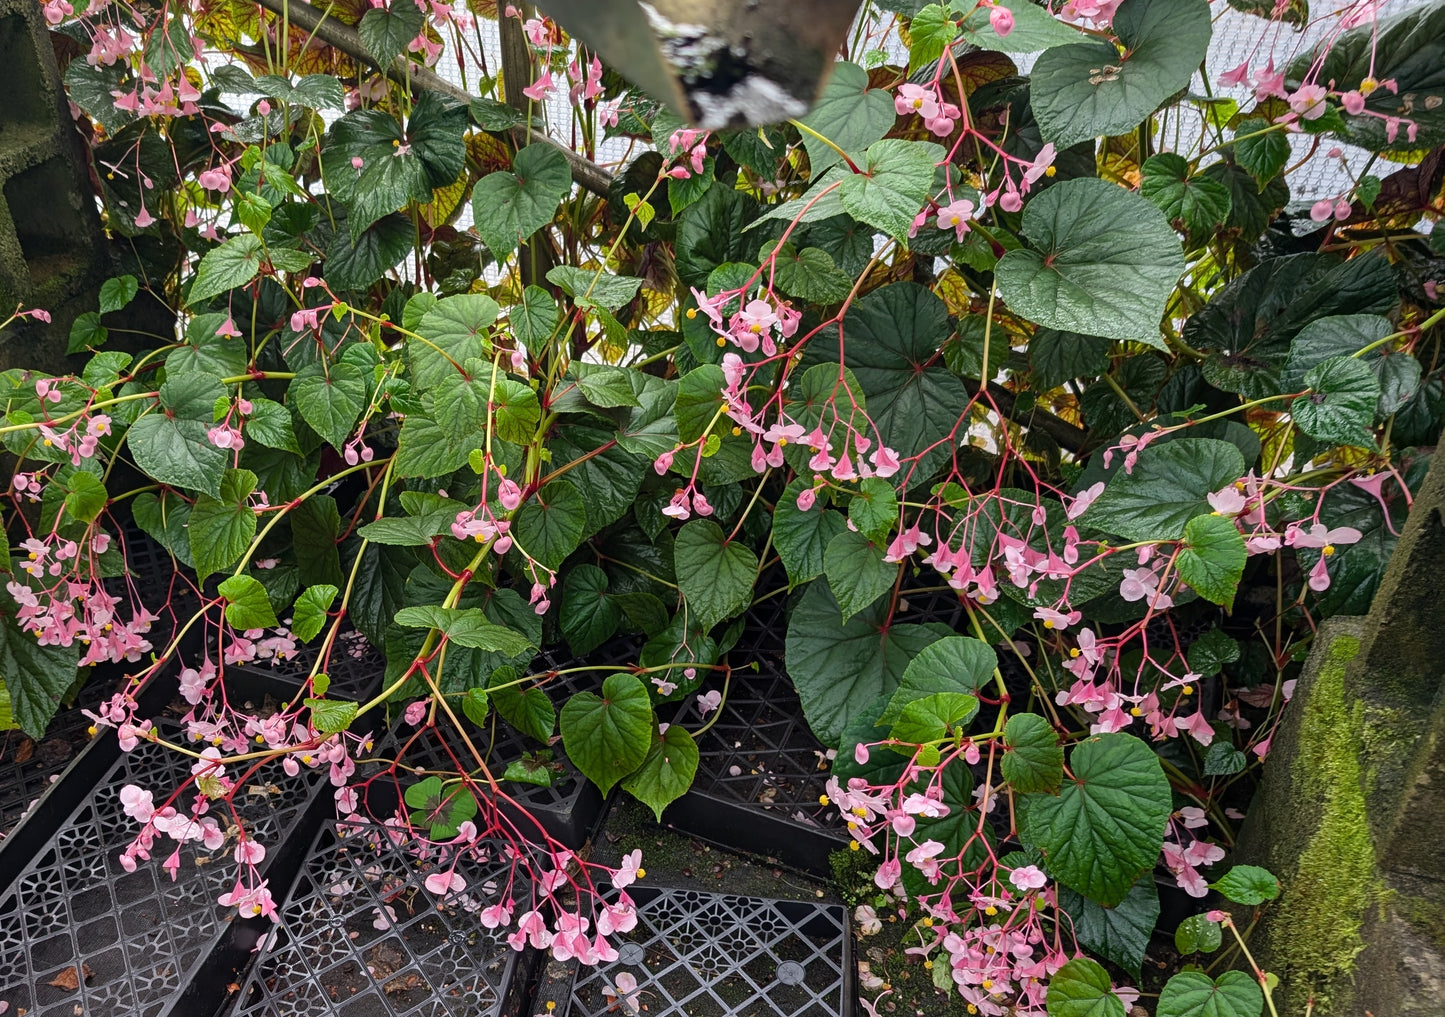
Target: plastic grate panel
{"x": 79, "y": 934}
{"x": 696, "y": 954}
{"x": 361, "y": 937}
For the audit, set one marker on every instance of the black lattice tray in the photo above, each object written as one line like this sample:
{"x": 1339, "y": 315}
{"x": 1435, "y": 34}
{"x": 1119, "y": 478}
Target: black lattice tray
{"x": 761, "y": 771}
{"x": 355, "y": 667}
{"x": 80, "y": 935}
{"x": 360, "y": 936}
{"x": 696, "y": 954}
{"x": 567, "y": 808}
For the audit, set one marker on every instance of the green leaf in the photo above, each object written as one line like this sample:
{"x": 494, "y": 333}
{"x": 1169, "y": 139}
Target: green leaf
{"x": 331, "y": 716}
{"x": 1260, "y": 149}
{"x": 848, "y": 113}
{"x": 86, "y": 497}
{"x": 308, "y": 617}
{"x": 551, "y": 524}
{"x": 802, "y": 537}
{"x": 164, "y": 519}
{"x": 1105, "y": 261}
{"x": 930, "y": 718}
{"x": 891, "y": 342}
{"x": 873, "y": 508}
{"x": 896, "y": 180}
{"x": 235, "y": 263}
{"x": 588, "y": 616}
{"x": 1033, "y": 758}
{"x": 387, "y": 31}
{"x": 604, "y": 385}
{"x": 591, "y": 288}
{"x": 247, "y": 606}
{"x": 466, "y": 626}
{"x": 529, "y": 711}
{"x": 330, "y": 398}
{"x": 270, "y": 424}
{"x": 1195, "y": 994}
{"x": 1170, "y": 485}
{"x": 1199, "y": 203}
{"x": 1212, "y": 558}
{"x": 714, "y": 574}
{"x": 607, "y": 737}
{"x": 355, "y": 262}
{"x": 1056, "y": 357}
{"x": 34, "y": 676}
{"x": 171, "y": 446}
{"x": 534, "y": 319}
{"x": 455, "y": 330}
{"x": 1340, "y": 406}
{"x": 86, "y": 332}
{"x": 840, "y": 668}
{"x": 223, "y": 528}
{"x": 1222, "y": 759}
{"x": 1084, "y": 90}
{"x": 1197, "y": 934}
{"x": 516, "y": 411}
{"x": 1081, "y": 988}
{"x": 1119, "y": 934}
{"x": 699, "y": 397}
{"x": 930, "y": 31}
{"x": 1106, "y": 826}
{"x": 510, "y": 206}
{"x": 1034, "y": 29}
{"x": 117, "y": 293}
{"x": 1247, "y": 884}
{"x": 857, "y": 573}
{"x": 667, "y": 772}
{"x": 441, "y": 809}
{"x": 810, "y": 275}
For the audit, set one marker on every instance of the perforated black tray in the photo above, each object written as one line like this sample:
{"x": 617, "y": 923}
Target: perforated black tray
{"x": 696, "y": 954}
{"x": 79, "y": 934}
{"x": 360, "y": 936}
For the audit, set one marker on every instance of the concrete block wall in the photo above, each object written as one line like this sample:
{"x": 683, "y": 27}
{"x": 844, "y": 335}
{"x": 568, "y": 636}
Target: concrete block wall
{"x": 53, "y": 253}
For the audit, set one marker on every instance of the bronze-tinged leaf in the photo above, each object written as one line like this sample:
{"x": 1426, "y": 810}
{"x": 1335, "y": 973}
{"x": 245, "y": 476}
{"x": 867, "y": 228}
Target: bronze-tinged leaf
{"x": 69, "y": 978}
{"x": 487, "y": 154}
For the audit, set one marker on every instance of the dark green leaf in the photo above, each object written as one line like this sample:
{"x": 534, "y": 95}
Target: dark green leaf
{"x": 354, "y": 263}
{"x": 607, "y": 737}
{"x": 715, "y": 574}
{"x": 1081, "y": 988}
{"x": 1168, "y": 487}
{"x": 1084, "y": 90}
{"x": 386, "y": 31}
{"x": 1199, "y": 203}
{"x": 170, "y": 444}
{"x": 551, "y": 524}
{"x": 857, "y": 573}
{"x": 222, "y": 528}
{"x": 801, "y": 537}
{"x": 34, "y": 676}
{"x": 1118, "y": 934}
{"x": 839, "y": 668}
{"x": 1105, "y": 261}
{"x": 509, "y": 206}
{"x": 1197, "y": 934}
{"x": 1340, "y": 406}
{"x": 234, "y": 263}
{"x": 1106, "y": 826}
{"x": 1195, "y": 994}
{"x": 1033, "y": 758}
{"x": 667, "y": 772}
{"x": 330, "y": 398}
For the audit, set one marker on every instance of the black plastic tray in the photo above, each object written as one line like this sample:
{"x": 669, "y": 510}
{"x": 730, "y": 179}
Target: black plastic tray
{"x": 79, "y": 934}
{"x": 329, "y": 958}
{"x": 697, "y": 954}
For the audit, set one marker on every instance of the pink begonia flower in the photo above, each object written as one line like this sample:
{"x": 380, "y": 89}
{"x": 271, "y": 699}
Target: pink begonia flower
{"x": 624, "y": 989}
{"x": 1320, "y": 575}
{"x": 415, "y": 712}
{"x": 531, "y": 929}
{"x": 1353, "y": 102}
{"x": 629, "y": 871}
{"x": 1227, "y": 501}
{"x": 509, "y": 494}
{"x": 1321, "y": 536}
{"x": 709, "y": 702}
{"x": 217, "y": 179}
{"x": 806, "y": 497}
{"x": 1084, "y": 499}
{"x": 250, "y": 852}
{"x": 1029, "y": 877}
{"x": 924, "y": 858}
{"x": 1056, "y": 619}
{"x": 1308, "y": 102}
{"x": 888, "y": 873}
{"x": 1002, "y": 20}
{"x": 1269, "y": 82}
{"x": 915, "y": 99}
{"x": 1198, "y": 726}
{"x": 955, "y": 216}
{"x": 1235, "y": 76}
{"x": 540, "y": 89}
{"x": 442, "y": 883}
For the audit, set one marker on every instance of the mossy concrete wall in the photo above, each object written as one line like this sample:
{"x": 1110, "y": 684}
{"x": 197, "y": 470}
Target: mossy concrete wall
{"x": 53, "y": 254}
{"x": 1351, "y": 813}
